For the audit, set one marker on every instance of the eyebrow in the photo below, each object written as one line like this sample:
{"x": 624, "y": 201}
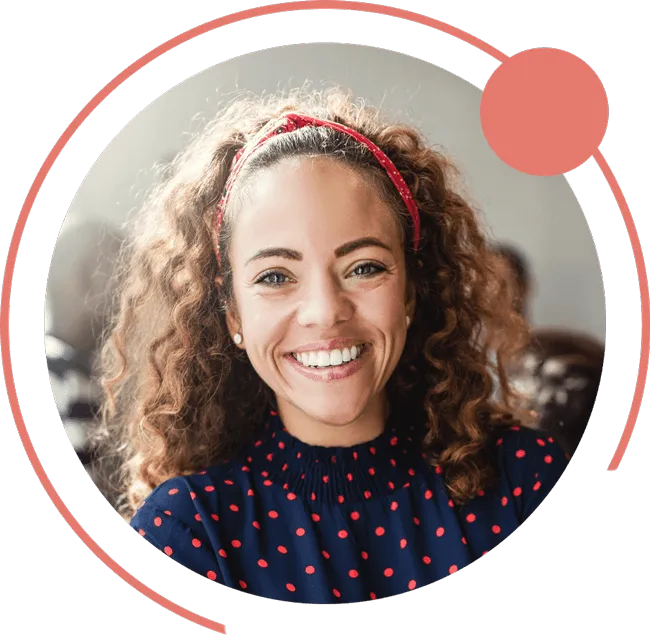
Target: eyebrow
{"x": 339, "y": 252}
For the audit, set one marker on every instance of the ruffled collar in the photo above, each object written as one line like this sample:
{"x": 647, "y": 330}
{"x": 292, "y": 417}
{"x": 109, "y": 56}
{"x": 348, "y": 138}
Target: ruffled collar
{"x": 341, "y": 475}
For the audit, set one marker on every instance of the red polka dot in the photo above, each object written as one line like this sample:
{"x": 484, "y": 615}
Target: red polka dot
{"x": 440, "y": 531}
{"x": 371, "y": 471}
{"x": 350, "y": 477}
{"x": 313, "y": 496}
{"x": 403, "y": 543}
{"x": 550, "y": 440}
{"x": 157, "y": 521}
{"x": 336, "y": 592}
{"x": 234, "y": 508}
{"x": 394, "y": 505}
{"x": 256, "y": 524}
{"x": 548, "y": 458}
{"x": 541, "y": 442}
{"x": 341, "y": 499}
{"x": 215, "y": 517}
{"x": 273, "y": 514}
{"x": 250, "y": 492}
{"x": 426, "y": 560}
{"x": 268, "y": 483}
{"x": 416, "y": 520}
{"x": 300, "y": 531}
{"x": 428, "y": 494}
{"x": 496, "y": 529}
{"x": 290, "y": 587}
{"x": 262, "y": 563}
{"x": 196, "y": 542}
{"x": 212, "y": 575}
{"x": 372, "y": 596}
{"x": 326, "y": 478}
{"x": 291, "y": 496}
{"x": 197, "y": 517}
{"x": 480, "y": 493}
{"x": 282, "y": 549}
{"x": 380, "y": 531}
{"x": 372, "y": 450}
{"x": 463, "y": 540}
{"x": 236, "y": 544}
{"x": 450, "y": 503}
{"x": 367, "y": 494}
{"x": 142, "y": 532}
{"x": 438, "y": 469}
{"x": 537, "y": 486}
{"x": 453, "y": 568}
{"x": 516, "y": 491}
{"x": 167, "y": 513}
{"x": 281, "y": 445}
{"x": 354, "y": 515}
{"x": 388, "y": 572}
{"x": 168, "y": 550}
{"x": 315, "y": 517}
{"x": 520, "y": 454}
{"x": 504, "y": 501}
{"x": 309, "y": 569}
{"x": 391, "y": 484}
{"x": 173, "y": 491}
{"x": 412, "y": 584}
{"x": 222, "y": 553}
{"x": 364, "y": 555}
{"x": 343, "y": 534}
{"x": 209, "y": 488}
{"x": 471, "y": 518}
{"x": 228, "y": 482}
{"x": 265, "y": 474}
{"x": 325, "y": 555}
{"x": 242, "y": 584}
{"x": 353, "y": 573}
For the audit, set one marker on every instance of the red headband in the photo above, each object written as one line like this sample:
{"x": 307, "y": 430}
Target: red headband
{"x": 294, "y": 121}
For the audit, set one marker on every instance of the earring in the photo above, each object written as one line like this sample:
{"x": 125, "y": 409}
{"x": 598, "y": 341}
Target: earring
{"x": 408, "y": 321}
{"x": 237, "y": 338}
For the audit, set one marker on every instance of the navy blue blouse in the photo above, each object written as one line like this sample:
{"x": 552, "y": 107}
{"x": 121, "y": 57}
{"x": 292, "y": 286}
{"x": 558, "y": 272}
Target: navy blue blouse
{"x": 295, "y": 522}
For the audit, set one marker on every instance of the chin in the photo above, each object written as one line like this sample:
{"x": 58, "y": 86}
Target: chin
{"x": 332, "y": 413}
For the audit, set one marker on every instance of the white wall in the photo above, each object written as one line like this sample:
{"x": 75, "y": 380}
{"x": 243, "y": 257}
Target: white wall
{"x": 539, "y": 215}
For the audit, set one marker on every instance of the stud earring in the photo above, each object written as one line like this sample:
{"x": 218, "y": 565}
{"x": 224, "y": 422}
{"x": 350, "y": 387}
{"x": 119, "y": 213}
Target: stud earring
{"x": 237, "y": 338}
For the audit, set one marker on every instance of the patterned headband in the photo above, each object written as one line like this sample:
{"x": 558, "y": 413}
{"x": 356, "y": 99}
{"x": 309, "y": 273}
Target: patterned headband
{"x": 293, "y": 121}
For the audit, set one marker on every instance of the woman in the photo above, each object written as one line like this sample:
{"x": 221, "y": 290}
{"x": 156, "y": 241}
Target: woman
{"x": 299, "y": 376}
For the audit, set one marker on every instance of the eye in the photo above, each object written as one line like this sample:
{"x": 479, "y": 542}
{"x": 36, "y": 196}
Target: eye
{"x": 272, "y": 279}
{"x": 367, "y": 269}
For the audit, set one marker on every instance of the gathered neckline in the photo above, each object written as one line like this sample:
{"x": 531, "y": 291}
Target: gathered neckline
{"x": 364, "y": 471}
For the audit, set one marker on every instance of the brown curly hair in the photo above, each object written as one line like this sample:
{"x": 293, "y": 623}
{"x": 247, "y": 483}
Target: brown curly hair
{"x": 179, "y": 396}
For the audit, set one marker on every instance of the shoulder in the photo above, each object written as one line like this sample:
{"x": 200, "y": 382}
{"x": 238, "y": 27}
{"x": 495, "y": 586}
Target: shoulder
{"x": 184, "y": 499}
{"x": 530, "y": 464}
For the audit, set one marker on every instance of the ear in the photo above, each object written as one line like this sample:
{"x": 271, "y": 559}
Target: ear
{"x": 410, "y": 299}
{"x": 232, "y": 319}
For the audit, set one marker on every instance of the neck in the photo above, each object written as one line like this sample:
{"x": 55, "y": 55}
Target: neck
{"x": 366, "y": 427}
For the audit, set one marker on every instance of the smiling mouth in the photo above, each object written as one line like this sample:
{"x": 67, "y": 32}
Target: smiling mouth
{"x": 333, "y": 358}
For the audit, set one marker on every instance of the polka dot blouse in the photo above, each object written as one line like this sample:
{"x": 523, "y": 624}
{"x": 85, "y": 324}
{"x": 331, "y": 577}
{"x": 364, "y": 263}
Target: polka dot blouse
{"x": 295, "y": 522}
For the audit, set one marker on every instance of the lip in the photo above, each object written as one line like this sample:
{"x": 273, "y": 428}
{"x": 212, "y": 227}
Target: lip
{"x": 327, "y": 345}
{"x": 329, "y": 373}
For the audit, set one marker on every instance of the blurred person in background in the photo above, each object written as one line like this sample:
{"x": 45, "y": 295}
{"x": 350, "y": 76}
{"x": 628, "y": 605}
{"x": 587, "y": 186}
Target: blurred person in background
{"x": 559, "y": 371}
{"x": 80, "y": 288}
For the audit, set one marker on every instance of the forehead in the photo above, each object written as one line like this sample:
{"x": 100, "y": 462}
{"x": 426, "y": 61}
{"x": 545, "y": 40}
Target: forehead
{"x": 311, "y": 203}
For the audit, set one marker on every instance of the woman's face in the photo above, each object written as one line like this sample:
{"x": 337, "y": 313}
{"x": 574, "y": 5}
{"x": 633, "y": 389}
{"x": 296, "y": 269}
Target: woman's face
{"x": 320, "y": 288}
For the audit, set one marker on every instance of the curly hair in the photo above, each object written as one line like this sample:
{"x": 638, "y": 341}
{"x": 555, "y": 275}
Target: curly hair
{"x": 179, "y": 396}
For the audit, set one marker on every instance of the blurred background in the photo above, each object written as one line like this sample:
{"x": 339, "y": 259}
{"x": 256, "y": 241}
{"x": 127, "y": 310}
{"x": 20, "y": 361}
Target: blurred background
{"x": 536, "y": 222}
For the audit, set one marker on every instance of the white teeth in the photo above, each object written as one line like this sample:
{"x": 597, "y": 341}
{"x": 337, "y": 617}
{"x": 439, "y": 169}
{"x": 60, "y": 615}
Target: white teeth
{"x": 336, "y": 358}
{"x": 323, "y": 359}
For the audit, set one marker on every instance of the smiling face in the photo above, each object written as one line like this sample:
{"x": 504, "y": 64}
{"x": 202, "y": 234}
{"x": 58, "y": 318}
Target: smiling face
{"x": 320, "y": 290}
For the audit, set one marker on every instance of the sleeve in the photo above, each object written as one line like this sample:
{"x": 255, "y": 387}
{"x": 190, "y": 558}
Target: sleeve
{"x": 532, "y": 464}
{"x": 162, "y": 520}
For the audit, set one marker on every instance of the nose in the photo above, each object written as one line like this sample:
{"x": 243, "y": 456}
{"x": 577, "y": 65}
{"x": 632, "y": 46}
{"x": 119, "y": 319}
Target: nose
{"x": 324, "y": 303}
